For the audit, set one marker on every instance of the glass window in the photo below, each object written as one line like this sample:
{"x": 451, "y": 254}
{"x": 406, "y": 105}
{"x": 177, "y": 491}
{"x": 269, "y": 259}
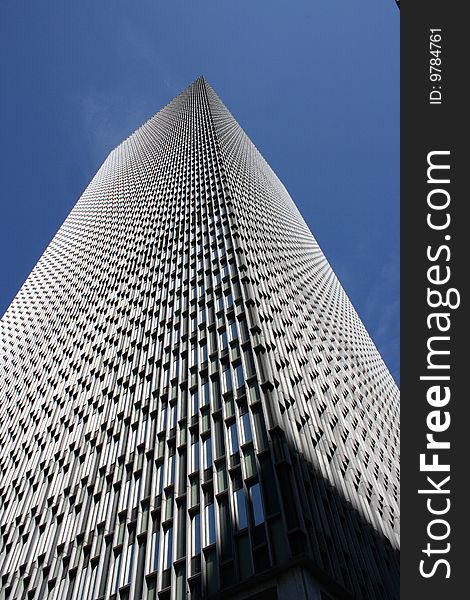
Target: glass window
{"x": 202, "y": 314}
{"x": 246, "y": 427}
{"x": 193, "y": 355}
{"x": 207, "y": 452}
{"x": 221, "y": 478}
{"x": 129, "y": 564}
{"x": 132, "y": 444}
{"x": 145, "y": 517}
{"x": 223, "y": 340}
{"x": 240, "y": 509}
{"x": 205, "y": 391}
{"x": 168, "y": 337}
{"x": 203, "y": 352}
{"x": 168, "y": 548}
{"x": 228, "y": 300}
{"x": 194, "y": 492}
{"x": 260, "y": 429}
{"x": 92, "y": 588}
{"x": 213, "y": 340}
{"x": 233, "y": 330}
{"x": 81, "y": 584}
{"x": 229, "y": 410}
{"x": 245, "y": 335}
{"x": 169, "y": 504}
{"x": 196, "y": 534}
{"x": 159, "y": 479}
{"x": 152, "y": 586}
{"x": 173, "y": 416}
{"x": 249, "y": 362}
{"x": 99, "y": 541}
{"x": 116, "y": 573}
{"x": 227, "y": 379}
{"x": 127, "y": 491}
{"x": 239, "y": 377}
{"x": 163, "y": 418}
{"x": 206, "y": 421}
{"x": 209, "y": 524}
{"x": 171, "y": 469}
{"x": 253, "y": 392}
{"x": 256, "y": 504}
{"x": 166, "y": 375}
{"x": 121, "y": 530}
{"x": 233, "y": 438}
{"x": 176, "y": 367}
{"x": 250, "y": 462}
{"x": 195, "y": 456}
{"x": 137, "y": 490}
{"x": 194, "y": 402}
{"x": 154, "y": 549}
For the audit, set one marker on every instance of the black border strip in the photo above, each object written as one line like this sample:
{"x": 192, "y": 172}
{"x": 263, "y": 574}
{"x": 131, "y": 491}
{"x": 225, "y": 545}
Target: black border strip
{"x": 426, "y": 128}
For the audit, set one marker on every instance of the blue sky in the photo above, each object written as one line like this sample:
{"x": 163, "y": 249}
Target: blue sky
{"x": 314, "y": 84}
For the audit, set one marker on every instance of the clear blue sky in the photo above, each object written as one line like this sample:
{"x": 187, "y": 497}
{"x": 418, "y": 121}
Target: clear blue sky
{"x": 315, "y": 84}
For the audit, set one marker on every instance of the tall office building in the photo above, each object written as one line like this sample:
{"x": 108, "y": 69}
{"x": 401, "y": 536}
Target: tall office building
{"x": 190, "y": 406}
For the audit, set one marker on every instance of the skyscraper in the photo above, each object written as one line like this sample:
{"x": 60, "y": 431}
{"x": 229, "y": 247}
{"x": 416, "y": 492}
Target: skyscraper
{"x": 190, "y": 406}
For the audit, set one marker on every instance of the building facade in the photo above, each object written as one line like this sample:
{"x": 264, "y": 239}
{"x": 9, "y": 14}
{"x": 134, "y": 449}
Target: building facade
{"x": 190, "y": 405}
